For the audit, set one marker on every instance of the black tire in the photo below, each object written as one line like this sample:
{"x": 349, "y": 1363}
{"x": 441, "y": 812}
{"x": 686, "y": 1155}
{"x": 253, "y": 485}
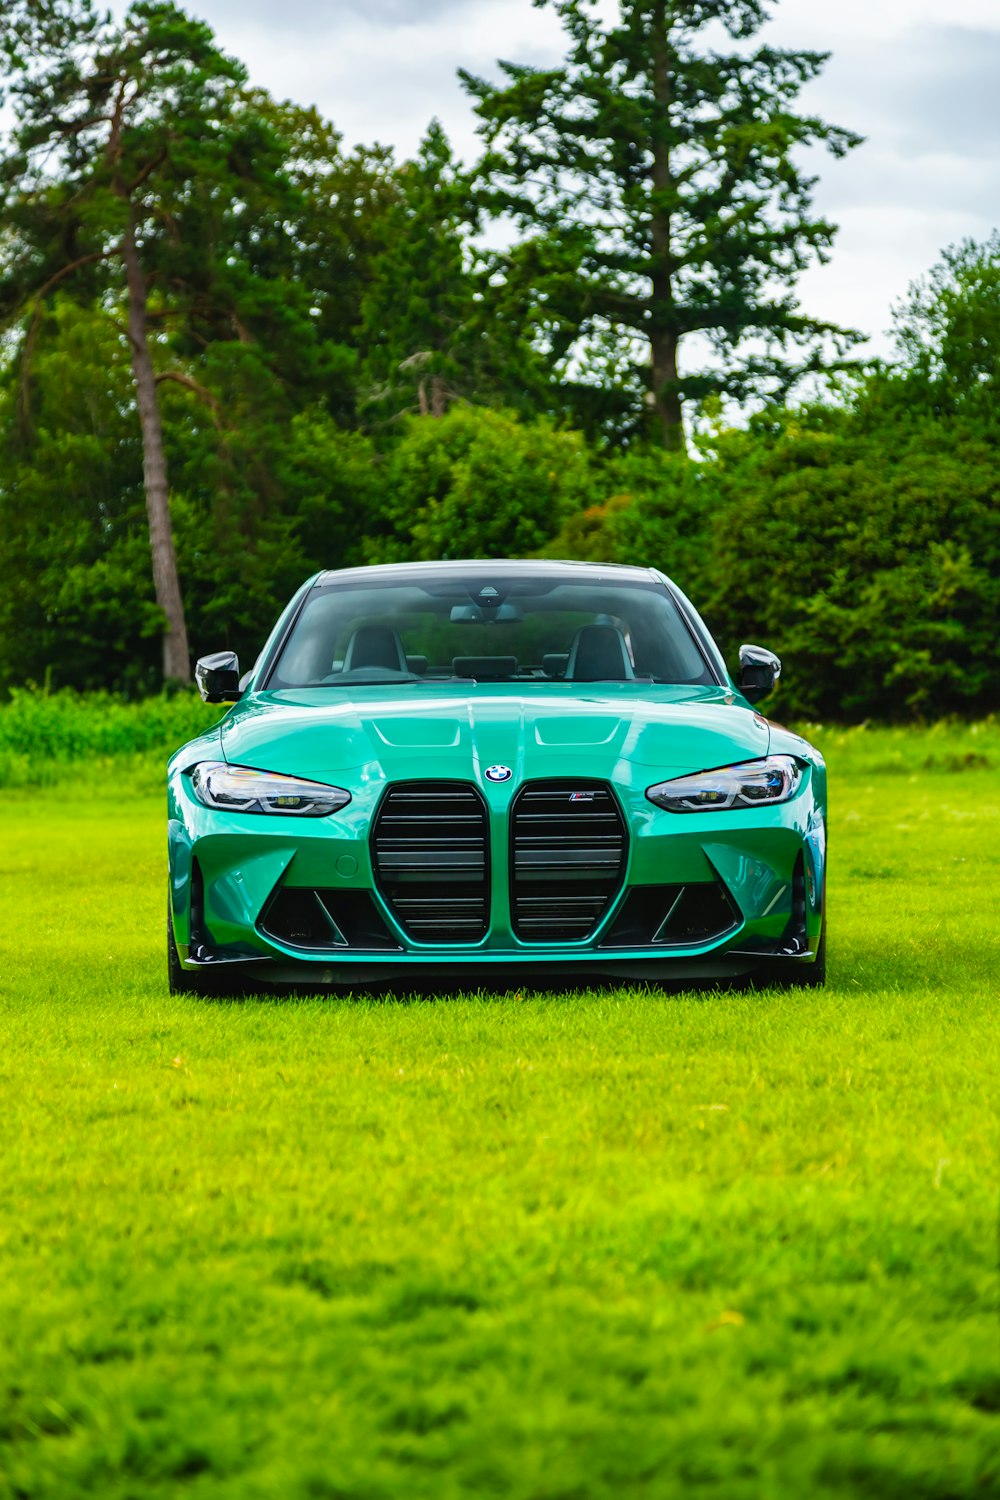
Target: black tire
{"x": 793, "y": 974}
{"x": 180, "y": 981}
{"x": 813, "y": 976}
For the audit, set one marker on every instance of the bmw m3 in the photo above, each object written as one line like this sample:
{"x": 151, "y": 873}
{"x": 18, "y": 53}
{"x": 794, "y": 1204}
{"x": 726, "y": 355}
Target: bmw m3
{"x": 474, "y": 772}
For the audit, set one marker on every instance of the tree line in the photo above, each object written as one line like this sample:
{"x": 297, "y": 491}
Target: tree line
{"x": 236, "y": 350}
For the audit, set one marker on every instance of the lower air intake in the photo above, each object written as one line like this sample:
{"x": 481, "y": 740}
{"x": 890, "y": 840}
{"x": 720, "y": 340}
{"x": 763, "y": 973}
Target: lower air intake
{"x": 679, "y": 916}
{"x": 321, "y": 920}
{"x": 568, "y": 851}
{"x": 429, "y": 854}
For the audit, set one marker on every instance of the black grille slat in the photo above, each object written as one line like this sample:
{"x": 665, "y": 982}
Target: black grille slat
{"x": 433, "y": 835}
{"x": 568, "y": 852}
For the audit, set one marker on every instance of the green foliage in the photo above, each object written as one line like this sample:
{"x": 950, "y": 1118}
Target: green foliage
{"x": 76, "y": 594}
{"x": 313, "y": 252}
{"x": 948, "y": 334}
{"x": 47, "y": 736}
{"x": 479, "y": 483}
{"x": 598, "y": 1245}
{"x": 948, "y": 747}
{"x": 875, "y": 555}
{"x": 128, "y": 162}
{"x": 262, "y": 497}
{"x": 288, "y": 278}
{"x": 657, "y": 512}
{"x": 261, "y": 500}
{"x": 434, "y": 329}
{"x": 870, "y": 560}
{"x": 418, "y": 305}
{"x": 136, "y": 149}
{"x": 123, "y": 127}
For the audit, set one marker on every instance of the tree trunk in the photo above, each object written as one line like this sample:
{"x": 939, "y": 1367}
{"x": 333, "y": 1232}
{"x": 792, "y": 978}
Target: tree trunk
{"x": 664, "y": 336}
{"x": 176, "y": 655}
{"x": 668, "y": 402}
{"x": 439, "y": 396}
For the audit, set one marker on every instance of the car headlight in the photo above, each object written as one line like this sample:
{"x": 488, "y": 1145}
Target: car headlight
{"x": 755, "y": 783}
{"x": 239, "y": 789}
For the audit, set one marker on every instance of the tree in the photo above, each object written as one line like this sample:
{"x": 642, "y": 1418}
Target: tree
{"x": 128, "y": 151}
{"x": 261, "y": 496}
{"x": 658, "y": 183}
{"x": 863, "y": 547}
{"x": 415, "y": 312}
{"x": 324, "y": 240}
{"x": 654, "y": 510}
{"x": 76, "y": 598}
{"x": 434, "y": 329}
{"x": 478, "y": 483}
{"x": 947, "y": 332}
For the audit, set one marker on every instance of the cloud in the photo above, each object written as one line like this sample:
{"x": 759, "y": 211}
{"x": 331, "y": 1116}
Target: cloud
{"x": 933, "y": 90}
{"x": 804, "y": 23}
{"x": 305, "y": 19}
{"x": 923, "y": 94}
{"x": 381, "y": 69}
{"x": 943, "y": 94}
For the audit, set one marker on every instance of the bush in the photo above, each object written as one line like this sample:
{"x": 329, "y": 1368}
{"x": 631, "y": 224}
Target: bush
{"x": 479, "y": 483}
{"x": 869, "y": 558}
{"x": 55, "y": 731}
{"x": 656, "y": 514}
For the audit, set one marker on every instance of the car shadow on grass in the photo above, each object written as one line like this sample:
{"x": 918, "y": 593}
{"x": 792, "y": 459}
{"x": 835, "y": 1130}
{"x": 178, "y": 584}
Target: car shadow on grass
{"x": 567, "y": 987}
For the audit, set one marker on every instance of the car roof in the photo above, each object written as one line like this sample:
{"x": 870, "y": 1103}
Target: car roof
{"x": 496, "y": 568}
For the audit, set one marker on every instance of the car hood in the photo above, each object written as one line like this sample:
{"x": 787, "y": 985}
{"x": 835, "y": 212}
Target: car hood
{"x": 423, "y": 730}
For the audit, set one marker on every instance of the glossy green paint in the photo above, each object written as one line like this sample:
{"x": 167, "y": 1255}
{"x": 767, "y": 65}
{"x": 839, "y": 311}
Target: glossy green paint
{"x": 629, "y": 734}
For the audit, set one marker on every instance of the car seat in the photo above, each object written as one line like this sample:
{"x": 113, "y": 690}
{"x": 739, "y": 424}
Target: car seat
{"x": 599, "y": 654}
{"x": 375, "y": 646}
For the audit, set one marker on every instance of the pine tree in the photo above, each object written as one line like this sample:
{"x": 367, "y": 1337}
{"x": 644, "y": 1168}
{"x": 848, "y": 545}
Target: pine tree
{"x": 434, "y": 328}
{"x": 658, "y": 183}
{"x": 417, "y": 309}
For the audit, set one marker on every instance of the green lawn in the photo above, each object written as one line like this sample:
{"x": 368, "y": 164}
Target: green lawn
{"x": 548, "y": 1247}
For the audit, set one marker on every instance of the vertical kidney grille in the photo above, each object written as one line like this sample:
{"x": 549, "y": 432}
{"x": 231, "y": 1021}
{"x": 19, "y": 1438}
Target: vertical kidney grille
{"x": 429, "y": 853}
{"x": 568, "y": 850}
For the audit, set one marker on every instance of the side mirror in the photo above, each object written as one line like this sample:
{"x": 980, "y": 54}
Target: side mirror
{"x": 218, "y": 677}
{"x": 759, "y": 671}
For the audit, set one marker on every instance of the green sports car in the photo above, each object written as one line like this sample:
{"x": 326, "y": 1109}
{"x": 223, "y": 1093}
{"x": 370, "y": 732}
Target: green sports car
{"x": 476, "y": 773}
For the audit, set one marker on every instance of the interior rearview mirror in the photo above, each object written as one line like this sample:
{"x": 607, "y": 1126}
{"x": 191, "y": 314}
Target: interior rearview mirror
{"x": 476, "y": 614}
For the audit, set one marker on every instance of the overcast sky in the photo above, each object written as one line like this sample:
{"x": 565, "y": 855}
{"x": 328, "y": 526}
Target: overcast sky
{"x": 919, "y": 79}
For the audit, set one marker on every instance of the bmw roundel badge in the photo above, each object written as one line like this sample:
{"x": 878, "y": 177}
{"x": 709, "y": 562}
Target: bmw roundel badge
{"x": 498, "y": 773}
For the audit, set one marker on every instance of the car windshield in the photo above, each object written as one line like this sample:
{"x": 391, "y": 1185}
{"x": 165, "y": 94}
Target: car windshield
{"x": 488, "y": 628}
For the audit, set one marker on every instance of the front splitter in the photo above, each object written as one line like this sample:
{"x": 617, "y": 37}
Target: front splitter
{"x": 470, "y": 976}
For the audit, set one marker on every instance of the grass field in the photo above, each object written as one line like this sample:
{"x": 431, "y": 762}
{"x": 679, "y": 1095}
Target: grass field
{"x": 558, "y": 1247}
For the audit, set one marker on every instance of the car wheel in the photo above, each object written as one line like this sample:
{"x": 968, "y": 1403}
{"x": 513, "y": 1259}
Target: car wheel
{"x": 792, "y": 974}
{"x": 180, "y": 981}
{"x": 813, "y": 976}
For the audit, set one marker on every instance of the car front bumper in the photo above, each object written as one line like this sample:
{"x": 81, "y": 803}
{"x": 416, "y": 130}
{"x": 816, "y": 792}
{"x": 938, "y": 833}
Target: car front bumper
{"x": 762, "y": 870}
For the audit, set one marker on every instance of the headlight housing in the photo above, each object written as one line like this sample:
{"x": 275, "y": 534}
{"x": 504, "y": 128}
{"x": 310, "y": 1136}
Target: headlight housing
{"x": 240, "y": 789}
{"x": 754, "y": 783}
